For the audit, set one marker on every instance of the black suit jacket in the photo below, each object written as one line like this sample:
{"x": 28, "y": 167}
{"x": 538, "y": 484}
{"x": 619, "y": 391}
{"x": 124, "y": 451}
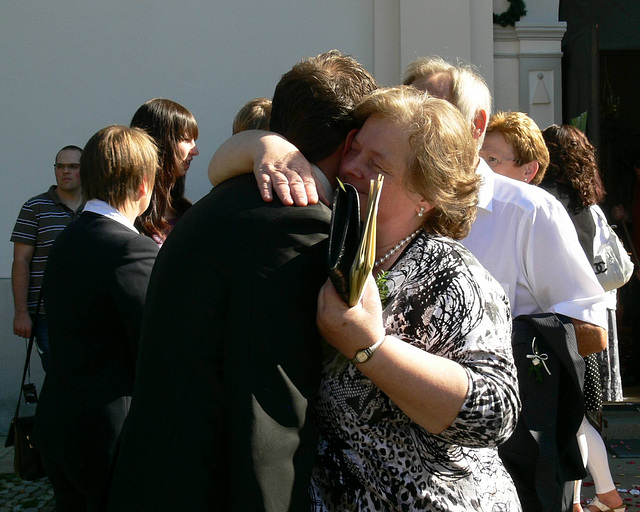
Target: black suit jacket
{"x": 229, "y": 360}
{"x": 94, "y": 288}
{"x": 543, "y": 453}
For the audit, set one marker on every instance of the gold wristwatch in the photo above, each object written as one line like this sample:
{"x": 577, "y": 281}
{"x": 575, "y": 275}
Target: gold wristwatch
{"x": 363, "y": 355}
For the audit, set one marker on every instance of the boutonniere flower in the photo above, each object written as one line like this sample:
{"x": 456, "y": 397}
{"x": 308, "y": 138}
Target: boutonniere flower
{"x": 381, "y": 281}
{"x": 537, "y": 361}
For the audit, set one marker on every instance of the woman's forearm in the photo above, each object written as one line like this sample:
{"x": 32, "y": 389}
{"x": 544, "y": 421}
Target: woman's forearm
{"x": 429, "y": 389}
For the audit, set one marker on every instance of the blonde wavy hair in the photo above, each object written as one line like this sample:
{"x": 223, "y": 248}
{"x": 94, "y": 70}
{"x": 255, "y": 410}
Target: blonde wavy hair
{"x": 255, "y": 114}
{"x": 442, "y": 162}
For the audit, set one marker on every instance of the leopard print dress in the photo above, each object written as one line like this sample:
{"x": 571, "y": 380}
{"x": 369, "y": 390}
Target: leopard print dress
{"x": 372, "y": 457}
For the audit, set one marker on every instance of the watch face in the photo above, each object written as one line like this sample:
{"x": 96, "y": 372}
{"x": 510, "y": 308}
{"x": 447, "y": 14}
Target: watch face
{"x": 361, "y": 356}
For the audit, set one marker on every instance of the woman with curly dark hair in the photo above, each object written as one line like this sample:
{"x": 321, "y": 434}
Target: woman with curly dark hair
{"x": 574, "y": 179}
{"x": 573, "y": 161}
{"x": 175, "y": 131}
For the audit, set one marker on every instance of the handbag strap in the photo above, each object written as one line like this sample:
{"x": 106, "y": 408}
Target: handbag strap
{"x": 29, "y": 349}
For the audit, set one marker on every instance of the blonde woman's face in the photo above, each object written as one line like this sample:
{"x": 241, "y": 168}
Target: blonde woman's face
{"x": 381, "y": 147}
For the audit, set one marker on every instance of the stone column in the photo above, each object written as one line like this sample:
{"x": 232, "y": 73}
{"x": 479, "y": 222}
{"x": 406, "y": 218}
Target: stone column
{"x": 528, "y": 63}
{"x": 404, "y": 30}
{"x": 540, "y": 71}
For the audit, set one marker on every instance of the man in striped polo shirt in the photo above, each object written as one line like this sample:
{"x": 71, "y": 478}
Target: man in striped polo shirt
{"x": 41, "y": 219}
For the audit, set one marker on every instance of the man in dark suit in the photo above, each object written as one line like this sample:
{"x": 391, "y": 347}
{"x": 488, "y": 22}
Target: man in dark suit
{"x": 94, "y": 289}
{"x": 230, "y": 356}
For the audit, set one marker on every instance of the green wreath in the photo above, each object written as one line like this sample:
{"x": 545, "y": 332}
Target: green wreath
{"x": 516, "y": 10}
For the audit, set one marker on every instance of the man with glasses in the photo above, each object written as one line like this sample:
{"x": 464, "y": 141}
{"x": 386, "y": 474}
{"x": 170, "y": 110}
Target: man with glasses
{"x": 41, "y": 219}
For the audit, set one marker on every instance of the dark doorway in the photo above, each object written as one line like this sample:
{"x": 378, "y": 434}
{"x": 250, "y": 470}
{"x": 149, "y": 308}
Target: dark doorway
{"x": 601, "y": 81}
{"x": 619, "y": 121}
{"x": 619, "y": 79}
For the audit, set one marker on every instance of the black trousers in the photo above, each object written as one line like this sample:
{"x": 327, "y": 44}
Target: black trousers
{"x": 76, "y": 489}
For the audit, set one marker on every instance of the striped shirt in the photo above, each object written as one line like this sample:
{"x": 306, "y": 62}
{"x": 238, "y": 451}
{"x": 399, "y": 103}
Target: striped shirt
{"x": 41, "y": 219}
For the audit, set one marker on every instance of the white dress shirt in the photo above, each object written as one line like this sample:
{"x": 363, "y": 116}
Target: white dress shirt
{"x": 106, "y": 210}
{"x": 525, "y": 238}
{"x": 324, "y": 181}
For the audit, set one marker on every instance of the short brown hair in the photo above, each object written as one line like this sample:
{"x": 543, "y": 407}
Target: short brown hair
{"x": 115, "y": 162}
{"x": 68, "y": 148}
{"x": 525, "y": 138}
{"x": 313, "y": 102}
{"x": 255, "y": 114}
{"x": 442, "y": 162}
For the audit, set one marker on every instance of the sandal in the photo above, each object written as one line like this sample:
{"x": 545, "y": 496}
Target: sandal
{"x": 601, "y": 506}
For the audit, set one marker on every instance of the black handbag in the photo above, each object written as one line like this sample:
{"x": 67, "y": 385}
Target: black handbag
{"x": 27, "y": 464}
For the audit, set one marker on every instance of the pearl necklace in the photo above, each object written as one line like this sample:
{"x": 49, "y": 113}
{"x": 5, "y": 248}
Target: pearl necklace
{"x": 398, "y": 246}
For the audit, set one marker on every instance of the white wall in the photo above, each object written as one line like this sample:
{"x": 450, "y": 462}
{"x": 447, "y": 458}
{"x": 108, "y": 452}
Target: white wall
{"x": 525, "y": 52}
{"x": 71, "y": 67}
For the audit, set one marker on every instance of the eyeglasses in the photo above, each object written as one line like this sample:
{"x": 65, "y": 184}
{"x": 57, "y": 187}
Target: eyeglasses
{"x": 62, "y": 167}
{"x": 496, "y": 161}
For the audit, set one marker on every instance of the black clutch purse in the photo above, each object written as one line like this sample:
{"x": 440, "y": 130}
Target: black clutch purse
{"x": 352, "y": 242}
{"x": 344, "y": 237}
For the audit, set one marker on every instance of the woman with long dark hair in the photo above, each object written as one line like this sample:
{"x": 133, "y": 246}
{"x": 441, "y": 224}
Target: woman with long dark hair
{"x": 175, "y": 132}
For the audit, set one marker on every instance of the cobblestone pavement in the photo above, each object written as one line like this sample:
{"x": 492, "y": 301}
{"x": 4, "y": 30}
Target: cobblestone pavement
{"x": 18, "y": 495}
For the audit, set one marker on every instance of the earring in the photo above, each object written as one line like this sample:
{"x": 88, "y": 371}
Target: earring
{"x": 421, "y": 212}
{"x": 526, "y": 179}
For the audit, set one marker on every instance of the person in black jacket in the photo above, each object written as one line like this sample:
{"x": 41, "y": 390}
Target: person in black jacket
{"x": 94, "y": 290}
{"x": 230, "y": 355}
